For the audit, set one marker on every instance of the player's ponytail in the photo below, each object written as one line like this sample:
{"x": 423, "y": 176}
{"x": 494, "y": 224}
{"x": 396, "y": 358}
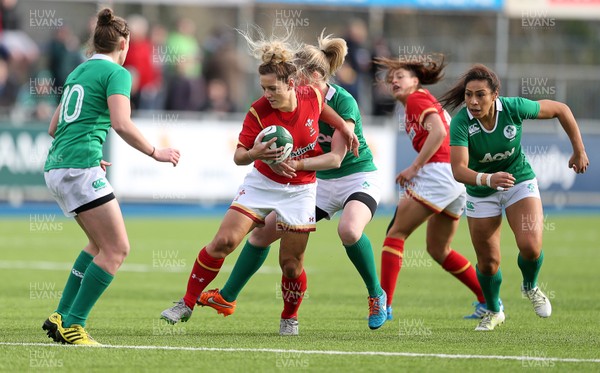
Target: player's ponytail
{"x": 431, "y": 72}
{"x": 105, "y": 17}
{"x": 326, "y": 58}
{"x": 109, "y": 29}
{"x": 456, "y": 95}
{"x": 334, "y": 50}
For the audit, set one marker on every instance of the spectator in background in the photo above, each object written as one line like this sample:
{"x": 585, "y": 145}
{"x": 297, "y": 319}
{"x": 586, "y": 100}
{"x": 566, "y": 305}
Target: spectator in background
{"x": 158, "y": 38}
{"x": 217, "y": 98}
{"x": 185, "y": 91}
{"x": 63, "y": 56}
{"x": 354, "y": 73}
{"x": 9, "y": 87}
{"x": 383, "y": 103}
{"x": 222, "y": 62}
{"x": 88, "y": 34}
{"x": 23, "y": 52}
{"x": 37, "y": 99}
{"x": 9, "y": 19}
{"x": 140, "y": 59}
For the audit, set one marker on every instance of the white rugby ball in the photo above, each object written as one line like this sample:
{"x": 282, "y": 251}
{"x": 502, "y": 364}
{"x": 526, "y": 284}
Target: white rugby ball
{"x": 284, "y": 139}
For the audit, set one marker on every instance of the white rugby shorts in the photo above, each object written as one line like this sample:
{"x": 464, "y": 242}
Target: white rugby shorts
{"x": 490, "y": 206}
{"x": 434, "y": 186}
{"x": 333, "y": 193}
{"x": 294, "y": 205}
{"x": 75, "y": 187}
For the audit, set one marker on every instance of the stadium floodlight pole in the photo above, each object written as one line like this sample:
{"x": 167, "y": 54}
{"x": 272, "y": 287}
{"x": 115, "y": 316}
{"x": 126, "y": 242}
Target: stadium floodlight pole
{"x": 502, "y": 38}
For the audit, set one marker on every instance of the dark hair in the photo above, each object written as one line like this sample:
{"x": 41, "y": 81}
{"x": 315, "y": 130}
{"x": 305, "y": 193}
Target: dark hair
{"x": 456, "y": 95}
{"x": 429, "y": 72}
{"x": 109, "y": 28}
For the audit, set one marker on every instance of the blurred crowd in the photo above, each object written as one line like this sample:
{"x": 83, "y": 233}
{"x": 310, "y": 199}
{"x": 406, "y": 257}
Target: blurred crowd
{"x": 171, "y": 68}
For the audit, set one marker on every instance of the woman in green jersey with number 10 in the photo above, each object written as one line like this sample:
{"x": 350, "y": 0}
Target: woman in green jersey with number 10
{"x": 486, "y": 155}
{"x": 95, "y": 97}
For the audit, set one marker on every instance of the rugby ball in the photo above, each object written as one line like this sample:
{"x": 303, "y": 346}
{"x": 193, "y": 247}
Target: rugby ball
{"x": 284, "y": 139}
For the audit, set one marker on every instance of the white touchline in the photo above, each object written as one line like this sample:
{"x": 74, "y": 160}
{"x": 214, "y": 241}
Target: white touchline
{"x": 316, "y": 352}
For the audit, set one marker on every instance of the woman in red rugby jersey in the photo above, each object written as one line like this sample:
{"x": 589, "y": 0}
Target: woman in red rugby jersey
{"x": 428, "y": 191}
{"x": 298, "y": 109}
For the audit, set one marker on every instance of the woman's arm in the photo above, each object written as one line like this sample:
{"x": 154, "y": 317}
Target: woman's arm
{"x": 260, "y": 150}
{"x": 553, "y": 109}
{"x": 437, "y": 132}
{"x": 326, "y": 161}
{"x": 329, "y": 116}
{"x": 459, "y": 159}
{"x": 54, "y": 121}
{"x": 120, "y": 119}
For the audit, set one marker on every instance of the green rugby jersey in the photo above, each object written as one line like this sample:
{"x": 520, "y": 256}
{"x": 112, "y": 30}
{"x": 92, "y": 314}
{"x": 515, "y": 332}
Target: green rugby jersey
{"x": 498, "y": 149}
{"x": 84, "y": 118}
{"x": 345, "y": 105}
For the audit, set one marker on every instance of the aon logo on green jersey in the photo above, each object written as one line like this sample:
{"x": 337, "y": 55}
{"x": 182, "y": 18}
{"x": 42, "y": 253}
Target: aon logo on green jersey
{"x": 497, "y": 157}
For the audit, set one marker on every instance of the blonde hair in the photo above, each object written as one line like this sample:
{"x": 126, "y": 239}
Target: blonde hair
{"x": 275, "y": 54}
{"x": 326, "y": 58}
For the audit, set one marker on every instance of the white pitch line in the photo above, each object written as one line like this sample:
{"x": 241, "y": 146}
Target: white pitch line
{"x": 316, "y": 352}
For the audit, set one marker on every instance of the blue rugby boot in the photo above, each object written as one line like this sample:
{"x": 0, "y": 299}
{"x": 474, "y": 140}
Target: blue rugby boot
{"x": 377, "y": 311}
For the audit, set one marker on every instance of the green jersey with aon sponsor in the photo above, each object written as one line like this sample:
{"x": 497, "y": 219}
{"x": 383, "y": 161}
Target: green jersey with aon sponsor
{"x": 84, "y": 119}
{"x": 499, "y": 149}
{"x": 345, "y": 105}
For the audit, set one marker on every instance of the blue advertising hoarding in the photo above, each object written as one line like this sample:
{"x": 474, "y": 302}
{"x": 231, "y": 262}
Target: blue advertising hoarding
{"x": 463, "y": 5}
{"x": 548, "y": 154}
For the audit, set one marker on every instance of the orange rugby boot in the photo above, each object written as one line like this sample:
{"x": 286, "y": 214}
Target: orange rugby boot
{"x": 212, "y": 298}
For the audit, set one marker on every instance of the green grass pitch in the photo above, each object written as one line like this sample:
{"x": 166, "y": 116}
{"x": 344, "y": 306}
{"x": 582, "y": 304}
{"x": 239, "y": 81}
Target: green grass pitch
{"x": 427, "y": 333}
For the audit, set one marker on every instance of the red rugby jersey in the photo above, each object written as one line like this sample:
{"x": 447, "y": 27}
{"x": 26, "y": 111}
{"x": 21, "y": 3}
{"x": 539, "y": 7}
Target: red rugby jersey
{"x": 418, "y": 105}
{"x": 302, "y": 123}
